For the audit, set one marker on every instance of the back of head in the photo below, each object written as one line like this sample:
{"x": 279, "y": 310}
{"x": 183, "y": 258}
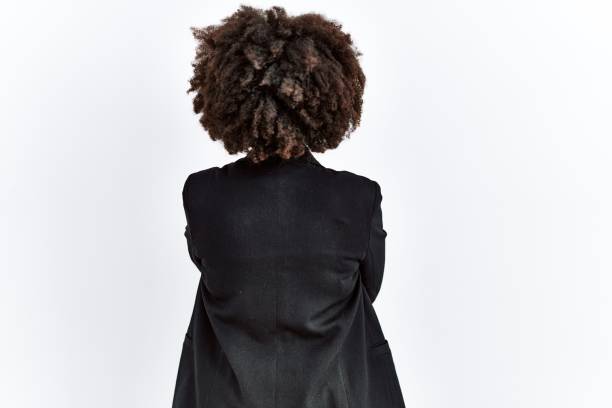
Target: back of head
{"x": 270, "y": 84}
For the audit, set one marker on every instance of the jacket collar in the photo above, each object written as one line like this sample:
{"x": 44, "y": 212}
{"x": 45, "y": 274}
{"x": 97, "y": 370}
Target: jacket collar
{"x": 307, "y": 157}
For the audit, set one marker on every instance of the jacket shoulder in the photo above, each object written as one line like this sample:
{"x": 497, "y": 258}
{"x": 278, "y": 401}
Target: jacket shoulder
{"x": 198, "y": 178}
{"x": 206, "y": 175}
{"x": 355, "y": 180}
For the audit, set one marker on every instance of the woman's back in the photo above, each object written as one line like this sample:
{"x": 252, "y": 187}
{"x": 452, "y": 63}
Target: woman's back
{"x": 291, "y": 253}
{"x": 291, "y": 256}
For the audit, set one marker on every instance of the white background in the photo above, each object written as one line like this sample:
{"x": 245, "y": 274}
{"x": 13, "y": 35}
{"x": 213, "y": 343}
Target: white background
{"x": 486, "y": 123}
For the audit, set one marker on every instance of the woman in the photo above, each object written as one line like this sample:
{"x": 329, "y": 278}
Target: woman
{"x": 291, "y": 253}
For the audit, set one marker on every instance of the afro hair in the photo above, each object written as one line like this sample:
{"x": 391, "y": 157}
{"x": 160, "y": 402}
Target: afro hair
{"x": 270, "y": 84}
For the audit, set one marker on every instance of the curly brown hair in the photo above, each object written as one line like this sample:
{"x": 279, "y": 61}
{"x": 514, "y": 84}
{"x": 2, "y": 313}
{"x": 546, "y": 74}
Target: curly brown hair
{"x": 271, "y": 84}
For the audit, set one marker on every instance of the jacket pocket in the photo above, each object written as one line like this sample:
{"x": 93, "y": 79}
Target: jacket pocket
{"x": 380, "y": 348}
{"x": 385, "y": 388}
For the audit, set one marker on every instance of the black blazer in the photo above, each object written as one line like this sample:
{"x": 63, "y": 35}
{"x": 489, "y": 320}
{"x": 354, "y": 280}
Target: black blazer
{"x": 291, "y": 256}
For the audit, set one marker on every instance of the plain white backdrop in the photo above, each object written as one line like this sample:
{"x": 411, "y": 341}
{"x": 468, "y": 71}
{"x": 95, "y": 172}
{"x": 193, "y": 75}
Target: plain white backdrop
{"x": 487, "y": 124}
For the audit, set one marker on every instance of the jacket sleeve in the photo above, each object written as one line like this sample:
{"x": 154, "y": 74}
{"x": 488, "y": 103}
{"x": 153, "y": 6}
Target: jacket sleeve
{"x": 190, "y": 249}
{"x": 372, "y": 266}
{"x": 190, "y": 244}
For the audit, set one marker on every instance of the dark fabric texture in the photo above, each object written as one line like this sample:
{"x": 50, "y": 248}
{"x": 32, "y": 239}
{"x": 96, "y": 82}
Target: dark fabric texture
{"x": 291, "y": 257}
